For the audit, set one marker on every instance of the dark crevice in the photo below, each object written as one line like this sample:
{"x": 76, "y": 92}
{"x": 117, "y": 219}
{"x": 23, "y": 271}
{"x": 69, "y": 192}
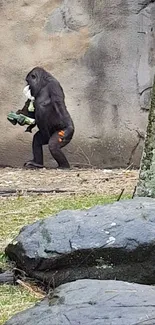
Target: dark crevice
{"x": 49, "y": 251}
{"x": 70, "y": 244}
{"x": 140, "y": 137}
{"x": 64, "y": 18}
{"x": 67, "y": 318}
{"x": 133, "y": 151}
{"x": 141, "y": 93}
{"x": 144, "y": 5}
{"x": 144, "y": 109}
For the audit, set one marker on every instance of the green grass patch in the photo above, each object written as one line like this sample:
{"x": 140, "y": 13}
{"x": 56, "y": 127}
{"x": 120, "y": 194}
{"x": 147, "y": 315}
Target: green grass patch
{"x": 17, "y": 212}
{"x": 3, "y": 260}
{"x": 14, "y": 299}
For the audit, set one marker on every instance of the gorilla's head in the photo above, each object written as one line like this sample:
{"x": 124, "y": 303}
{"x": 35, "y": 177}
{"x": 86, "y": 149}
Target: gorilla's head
{"x": 37, "y": 78}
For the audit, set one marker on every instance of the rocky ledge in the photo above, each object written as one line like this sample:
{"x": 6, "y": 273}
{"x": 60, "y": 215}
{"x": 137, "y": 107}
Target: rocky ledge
{"x": 93, "y": 302}
{"x": 115, "y": 241}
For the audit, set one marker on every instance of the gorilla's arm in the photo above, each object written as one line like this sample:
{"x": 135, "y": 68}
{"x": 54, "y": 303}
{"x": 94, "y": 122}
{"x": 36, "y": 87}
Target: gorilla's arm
{"x": 26, "y": 112}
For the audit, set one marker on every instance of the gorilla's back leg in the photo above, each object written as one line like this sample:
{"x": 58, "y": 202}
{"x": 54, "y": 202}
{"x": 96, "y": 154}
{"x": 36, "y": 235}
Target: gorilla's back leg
{"x": 55, "y": 144}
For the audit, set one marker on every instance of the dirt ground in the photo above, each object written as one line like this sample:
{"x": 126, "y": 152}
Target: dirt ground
{"x": 78, "y": 181}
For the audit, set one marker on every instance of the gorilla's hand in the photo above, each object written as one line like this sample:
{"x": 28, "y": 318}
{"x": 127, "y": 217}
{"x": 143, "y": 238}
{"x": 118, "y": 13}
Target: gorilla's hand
{"x": 30, "y": 127}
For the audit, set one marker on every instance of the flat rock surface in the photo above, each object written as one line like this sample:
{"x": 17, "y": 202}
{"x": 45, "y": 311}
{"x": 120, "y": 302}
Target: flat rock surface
{"x": 93, "y": 302}
{"x": 115, "y": 241}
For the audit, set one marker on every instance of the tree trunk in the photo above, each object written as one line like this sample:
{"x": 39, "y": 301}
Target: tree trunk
{"x": 146, "y": 183}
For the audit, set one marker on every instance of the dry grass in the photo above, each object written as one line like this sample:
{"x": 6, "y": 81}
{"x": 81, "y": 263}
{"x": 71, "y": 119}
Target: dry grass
{"x": 79, "y": 181}
{"x": 14, "y": 299}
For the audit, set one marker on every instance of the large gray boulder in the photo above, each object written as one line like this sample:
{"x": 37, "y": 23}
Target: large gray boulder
{"x": 93, "y": 302}
{"x": 103, "y": 54}
{"x": 115, "y": 241}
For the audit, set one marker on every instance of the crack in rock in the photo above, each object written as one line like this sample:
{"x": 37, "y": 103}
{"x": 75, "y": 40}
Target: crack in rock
{"x": 144, "y": 5}
{"x": 144, "y": 98}
{"x": 140, "y": 137}
{"x": 50, "y": 251}
{"x": 141, "y": 93}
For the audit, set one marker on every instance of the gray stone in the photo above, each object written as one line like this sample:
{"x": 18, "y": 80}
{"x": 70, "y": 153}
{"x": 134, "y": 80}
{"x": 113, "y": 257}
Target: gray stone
{"x": 55, "y": 22}
{"x": 114, "y": 241}
{"x": 65, "y": 18}
{"x": 93, "y": 302}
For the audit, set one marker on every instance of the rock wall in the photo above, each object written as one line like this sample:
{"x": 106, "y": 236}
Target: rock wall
{"x": 102, "y": 52}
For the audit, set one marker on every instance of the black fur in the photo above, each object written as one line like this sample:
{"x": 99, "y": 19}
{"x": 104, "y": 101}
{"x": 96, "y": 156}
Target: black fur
{"x": 51, "y": 117}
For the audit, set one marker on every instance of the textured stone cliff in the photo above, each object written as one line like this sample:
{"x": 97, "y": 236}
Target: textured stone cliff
{"x": 102, "y": 52}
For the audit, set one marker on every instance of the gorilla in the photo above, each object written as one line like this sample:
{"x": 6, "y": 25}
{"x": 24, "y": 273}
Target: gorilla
{"x": 54, "y": 122}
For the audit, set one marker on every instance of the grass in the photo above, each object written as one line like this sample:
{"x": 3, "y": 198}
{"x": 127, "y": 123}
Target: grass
{"x": 14, "y": 299}
{"x": 17, "y": 212}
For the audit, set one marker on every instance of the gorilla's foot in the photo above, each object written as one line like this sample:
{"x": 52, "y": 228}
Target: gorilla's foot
{"x": 32, "y": 165}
